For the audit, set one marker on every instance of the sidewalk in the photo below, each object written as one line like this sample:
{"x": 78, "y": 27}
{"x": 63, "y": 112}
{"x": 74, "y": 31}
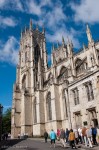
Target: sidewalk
{"x": 67, "y": 145}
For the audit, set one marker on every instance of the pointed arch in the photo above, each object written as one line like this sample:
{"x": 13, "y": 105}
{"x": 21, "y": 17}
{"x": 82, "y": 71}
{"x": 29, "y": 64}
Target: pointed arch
{"x": 49, "y": 76}
{"x": 77, "y": 61}
{"x": 24, "y": 82}
{"x": 48, "y": 106}
{"x": 80, "y": 65}
{"x": 63, "y": 70}
{"x": 36, "y": 53}
{"x": 63, "y": 74}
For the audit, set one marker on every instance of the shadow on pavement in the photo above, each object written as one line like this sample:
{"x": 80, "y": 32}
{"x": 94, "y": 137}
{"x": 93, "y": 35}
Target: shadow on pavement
{"x": 31, "y": 148}
{"x": 9, "y": 143}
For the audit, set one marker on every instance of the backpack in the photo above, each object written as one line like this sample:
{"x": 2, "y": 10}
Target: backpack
{"x": 94, "y": 131}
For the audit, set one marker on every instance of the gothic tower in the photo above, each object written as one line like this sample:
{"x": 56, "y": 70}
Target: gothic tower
{"x": 30, "y": 78}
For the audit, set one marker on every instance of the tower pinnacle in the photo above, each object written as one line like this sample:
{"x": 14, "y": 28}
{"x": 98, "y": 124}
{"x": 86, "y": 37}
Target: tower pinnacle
{"x": 37, "y": 26}
{"x": 43, "y": 30}
{"x": 31, "y": 24}
{"x": 63, "y": 41}
{"x": 89, "y": 35}
{"x": 21, "y": 33}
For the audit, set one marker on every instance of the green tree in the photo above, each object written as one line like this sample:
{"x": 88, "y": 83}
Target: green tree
{"x": 6, "y": 121}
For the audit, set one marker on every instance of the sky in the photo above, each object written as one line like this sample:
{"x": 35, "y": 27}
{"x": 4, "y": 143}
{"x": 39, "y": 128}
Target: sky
{"x": 67, "y": 18}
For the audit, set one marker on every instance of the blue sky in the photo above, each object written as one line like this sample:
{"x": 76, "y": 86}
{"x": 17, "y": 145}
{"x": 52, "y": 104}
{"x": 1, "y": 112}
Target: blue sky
{"x": 66, "y": 18}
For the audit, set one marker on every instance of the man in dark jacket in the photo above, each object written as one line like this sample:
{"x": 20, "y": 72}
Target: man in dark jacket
{"x": 67, "y": 135}
{"x": 62, "y": 137}
{"x": 94, "y": 133}
{"x": 45, "y": 136}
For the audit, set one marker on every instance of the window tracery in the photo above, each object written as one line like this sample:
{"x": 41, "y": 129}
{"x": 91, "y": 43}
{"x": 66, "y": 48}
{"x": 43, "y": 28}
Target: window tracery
{"x": 48, "y": 106}
{"x": 81, "y": 66}
{"x": 24, "y": 82}
{"x": 89, "y": 91}
{"x": 63, "y": 74}
{"x": 76, "y": 96}
{"x": 64, "y": 104}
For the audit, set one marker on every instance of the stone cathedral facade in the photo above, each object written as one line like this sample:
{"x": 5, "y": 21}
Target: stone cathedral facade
{"x": 63, "y": 95}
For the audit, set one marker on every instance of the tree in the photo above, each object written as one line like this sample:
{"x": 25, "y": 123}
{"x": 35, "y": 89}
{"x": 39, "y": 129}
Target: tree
{"x": 6, "y": 121}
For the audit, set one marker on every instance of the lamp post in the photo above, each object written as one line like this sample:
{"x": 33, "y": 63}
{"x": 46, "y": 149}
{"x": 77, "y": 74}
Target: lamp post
{"x": 65, "y": 86}
{"x": 1, "y": 110}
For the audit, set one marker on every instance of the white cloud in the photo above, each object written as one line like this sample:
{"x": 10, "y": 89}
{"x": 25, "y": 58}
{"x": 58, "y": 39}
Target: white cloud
{"x": 33, "y": 7}
{"x": 2, "y": 3}
{"x": 86, "y": 11}
{"x": 11, "y": 4}
{"x": 57, "y": 36}
{"x": 7, "y": 21}
{"x": 9, "y": 51}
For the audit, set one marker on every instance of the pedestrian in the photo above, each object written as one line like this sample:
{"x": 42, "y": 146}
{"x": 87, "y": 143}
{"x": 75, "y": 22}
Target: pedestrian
{"x": 72, "y": 139}
{"x": 6, "y": 136}
{"x": 94, "y": 133}
{"x": 62, "y": 137}
{"x": 80, "y": 135}
{"x": 52, "y": 137}
{"x": 67, "y": 135}
{"x": 45, "y": 136}
{"x": 76, "y": 135}
{"x": 85, "y": 136}
{"x": 89, "y": 136}
{"x": 58, "y": 134}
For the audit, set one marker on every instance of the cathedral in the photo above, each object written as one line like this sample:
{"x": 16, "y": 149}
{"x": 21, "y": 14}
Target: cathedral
{"x": 64, "y": 95}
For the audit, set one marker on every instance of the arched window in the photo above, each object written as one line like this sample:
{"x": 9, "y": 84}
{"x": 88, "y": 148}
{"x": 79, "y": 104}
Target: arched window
{"x": 36, "y": 54}
{"x": 89, "y": 91}
{"x": 64, "y": 104}
{"x": 63, "y": 74}
{"x": 24, "y": 82}
{"x": 79, "y": 66}
{"x": 48, "y": 106}
{"x": 50, "y": 78}
{"x": 35, "y": 111}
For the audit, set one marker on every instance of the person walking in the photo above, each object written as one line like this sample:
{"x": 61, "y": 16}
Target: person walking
{"x": 45, "y": 136}
{"x": 72, "y": 139}
{"x": 94, "y": 133}
{"x": 84, "y": 136}
{"x": 80, "y": 135}
{"x": 52, "y": 137}
{"x": 67, "y": 135}
{"x": 62, "y": 138}
{"x": 89, "y": 136}
{"x": 76, "y": 135}
{"x": 58, "y": 134}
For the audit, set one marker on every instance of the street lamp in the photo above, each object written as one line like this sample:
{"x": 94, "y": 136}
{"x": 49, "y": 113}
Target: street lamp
{"x": 1, "y": 110}
{"x": 65, "y": 86}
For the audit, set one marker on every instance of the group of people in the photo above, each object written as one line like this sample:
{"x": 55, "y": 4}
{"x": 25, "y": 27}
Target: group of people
{"x": 73, "y": 137}
{"x": 5, "y": 136}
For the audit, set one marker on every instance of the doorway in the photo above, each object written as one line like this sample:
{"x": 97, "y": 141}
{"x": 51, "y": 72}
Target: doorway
{"x": 92, "y": 115}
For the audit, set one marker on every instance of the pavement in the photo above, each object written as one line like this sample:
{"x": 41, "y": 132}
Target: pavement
{"x": 36, "y": 144}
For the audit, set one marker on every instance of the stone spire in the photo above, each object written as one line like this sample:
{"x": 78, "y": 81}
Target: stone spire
{"x": 63, "y": 41}
{"x": 37, "y": 26}
{"x": 84, "y": 48}
{"x": 31, "y": 24}
{"x": 21, "y": 33}
{"x": 25, "y": 29}
{"x": 53, "y": 48}
{"x": 69, "y": 46}
{"x": 89, "y": 35}
{"x": 43, "y": 30}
